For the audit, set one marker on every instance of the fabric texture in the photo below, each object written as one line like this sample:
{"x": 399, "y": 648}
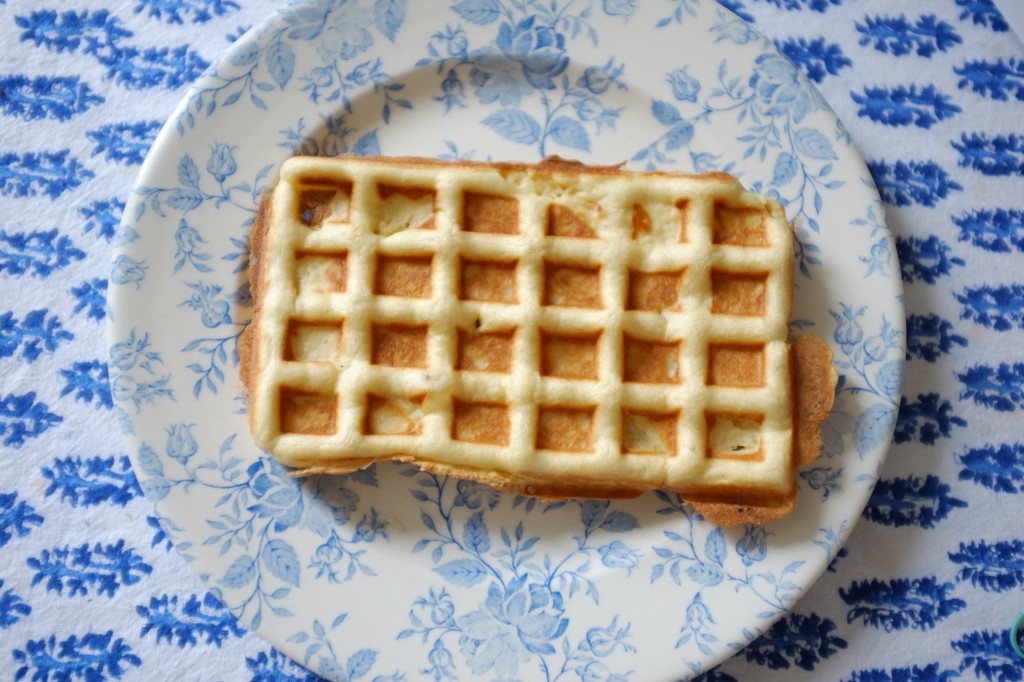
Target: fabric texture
{"x": 932, "y": 578}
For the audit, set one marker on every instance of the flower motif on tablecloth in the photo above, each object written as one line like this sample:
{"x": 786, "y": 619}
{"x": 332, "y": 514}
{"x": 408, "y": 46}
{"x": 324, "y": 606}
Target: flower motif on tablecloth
{"x": 97, "y": 653}
{"x": 905, "y": 183}
{"x": 187, "y": 620}
{"x": 988, "y": 654}
{"x": 815, "y": 57}
{"x": 998, "y": 79}
{"x": 88, "y": 570}
{"x": 901, "y": 105}
{"x": 992, "y": 566}
{"x": 898, "y": 36}
{"x": 54, "y": 97}
{"x": 37, "y": 253}
{"x": 12, "y": 607}
{"x": 17, "y": 517}
{"x": 100, "y": 36}
{"x": 125, "y": 143}
{"x": 919, "y": 603}
{"x": 37, "y": 332}
{"x": 796, "y": 639}
{"x": 91, "y": 481}
{"x": 52, "y": 174}
{"x": 922, "y": 501}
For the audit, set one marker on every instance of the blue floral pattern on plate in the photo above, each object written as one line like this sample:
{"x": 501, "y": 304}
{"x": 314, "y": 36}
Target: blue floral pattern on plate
{"x": 392, "y": 573}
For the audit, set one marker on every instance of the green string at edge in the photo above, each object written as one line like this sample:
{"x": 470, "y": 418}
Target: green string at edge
{"x": 1015, "y": 635}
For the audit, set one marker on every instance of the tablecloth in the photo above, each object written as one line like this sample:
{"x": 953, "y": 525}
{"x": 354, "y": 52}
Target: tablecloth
{"x": 932, "y": 578}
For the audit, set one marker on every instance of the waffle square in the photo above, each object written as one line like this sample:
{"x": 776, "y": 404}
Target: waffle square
{"x": 557, "y": 329}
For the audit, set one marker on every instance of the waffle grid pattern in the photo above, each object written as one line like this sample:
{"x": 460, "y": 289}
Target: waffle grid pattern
{"x": 579, "y": 382}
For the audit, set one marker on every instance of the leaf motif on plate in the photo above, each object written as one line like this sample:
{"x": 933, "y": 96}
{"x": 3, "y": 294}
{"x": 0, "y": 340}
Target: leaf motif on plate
{"x": 281, "y": 559}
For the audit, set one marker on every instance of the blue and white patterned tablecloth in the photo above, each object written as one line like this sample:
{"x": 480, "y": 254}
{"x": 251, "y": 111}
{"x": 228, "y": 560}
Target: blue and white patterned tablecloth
{"x": 932, "y": 578}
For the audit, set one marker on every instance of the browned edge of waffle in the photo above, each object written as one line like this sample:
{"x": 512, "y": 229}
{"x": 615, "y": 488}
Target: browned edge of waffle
{"x": 248, "y": 341}
{"x": 550, "y": 164}
{"x": 813, "y": 393}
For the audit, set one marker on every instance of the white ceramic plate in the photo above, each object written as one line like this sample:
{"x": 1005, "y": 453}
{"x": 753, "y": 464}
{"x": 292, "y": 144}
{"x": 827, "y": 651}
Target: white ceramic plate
{"x": 392, "y": 571}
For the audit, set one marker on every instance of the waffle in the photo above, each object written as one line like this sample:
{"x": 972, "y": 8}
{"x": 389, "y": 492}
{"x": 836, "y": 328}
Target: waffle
{"x": 556, "y": 329}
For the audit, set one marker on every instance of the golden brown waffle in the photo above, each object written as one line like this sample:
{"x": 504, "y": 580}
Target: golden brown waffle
{"x": 558, "y": 329}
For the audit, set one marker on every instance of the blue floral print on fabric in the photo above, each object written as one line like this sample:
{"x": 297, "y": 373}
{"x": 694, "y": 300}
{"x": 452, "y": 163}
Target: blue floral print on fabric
{"x": 497, "y": 602}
